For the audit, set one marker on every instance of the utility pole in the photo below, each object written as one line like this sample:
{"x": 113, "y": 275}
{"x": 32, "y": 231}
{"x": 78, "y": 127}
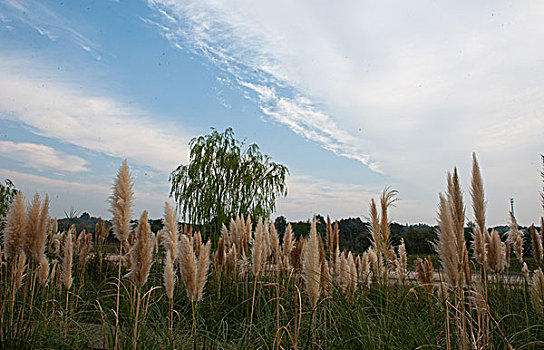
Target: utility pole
{"x": 512, "y": 205}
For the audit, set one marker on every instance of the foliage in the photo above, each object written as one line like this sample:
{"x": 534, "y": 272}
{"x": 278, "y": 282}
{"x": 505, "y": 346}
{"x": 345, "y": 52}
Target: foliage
{"x": 224, "y": 178}
{"x": 7, "y": 193}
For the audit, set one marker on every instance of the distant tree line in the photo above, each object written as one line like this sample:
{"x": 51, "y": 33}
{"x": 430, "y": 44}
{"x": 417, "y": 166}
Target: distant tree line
{"x": 354, "y": 234}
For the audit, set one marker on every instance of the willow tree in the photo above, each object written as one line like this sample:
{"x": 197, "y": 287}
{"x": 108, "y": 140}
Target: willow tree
{"x": 226, "y": 178}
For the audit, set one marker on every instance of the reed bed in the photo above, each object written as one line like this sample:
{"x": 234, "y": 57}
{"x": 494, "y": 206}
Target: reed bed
{"x": 261, "y": 289}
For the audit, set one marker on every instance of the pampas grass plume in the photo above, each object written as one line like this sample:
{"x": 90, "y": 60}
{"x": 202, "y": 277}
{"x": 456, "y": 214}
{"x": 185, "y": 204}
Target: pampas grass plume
{"x": 187, "y": 266}
{"x": 170, "y": 231}
{"x": 311, "y": 266}
{"x": 67, "y": 259}
{"x": 169, "y": 276}
{"x": 141, "y": 253}
{"x": 203, "y": 265}
{"x": 536, "y": 243}
{"x": 121, "y": 202}
{"x": 537, "y": 290}
{"x": 14, "y": 232}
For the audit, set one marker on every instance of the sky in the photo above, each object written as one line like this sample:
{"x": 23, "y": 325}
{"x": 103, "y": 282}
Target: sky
{"x": 352, "y": 96}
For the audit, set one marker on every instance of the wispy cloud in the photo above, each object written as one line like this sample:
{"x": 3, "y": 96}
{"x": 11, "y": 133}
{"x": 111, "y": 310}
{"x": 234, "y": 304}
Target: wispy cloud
{"x": 41, "y": 157}
{"x": 38, "y": 16}
{"x": 58, "y": 110}
{"x": 237, "y": 47}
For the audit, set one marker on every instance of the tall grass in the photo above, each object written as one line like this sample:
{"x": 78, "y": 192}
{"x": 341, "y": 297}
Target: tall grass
{"x": 267, "y": 291}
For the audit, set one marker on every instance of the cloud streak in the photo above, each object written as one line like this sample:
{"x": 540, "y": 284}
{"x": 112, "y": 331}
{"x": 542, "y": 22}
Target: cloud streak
{"x": 56, "y": 110}
{"x": 240, "y": 48}
{"x": 42, "y": 157}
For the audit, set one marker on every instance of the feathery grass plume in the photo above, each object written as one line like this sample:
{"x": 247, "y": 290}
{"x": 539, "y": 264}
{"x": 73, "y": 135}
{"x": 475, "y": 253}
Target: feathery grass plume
{"x": 231, "y": 260}
{"x": 374, "y": 227}
{"x": 170, "y": 231}
{"x": 67, "y": 251}
{"x": 53, "y": 227}
{"x": 403, "y": 261}
{"x": 353, "y": 283}
{"x": 275, "y": 245}
{"x": 121, "y": 202}
{"x": 446, "y": 247}
{"x": 225, "y": 233}
{"x": 169, "y": 276}
{"x": 246, "y": 229}
{"x": 335, "y": 239}
{"x": 288, "y": 242}
{"x": 393, "y": 260}
{"x": 220, "y": 256}
{"x": 525, "y": 271}
{"x": 187, "y": 266}
{"x": 32, "y": 222}
{"x": 496, "y": 253}
{"x": 477, "y": 194}
{"x": 424, "y": 273}
{"x": 141, "y": 252}
{"x": 296, "y": 254}
{"x": 345, "y": 271}
{"x": 311, "y": 266}
{"x": 197, "y": 243}
{"x": 329, "y": 236}
{"x": 457, "y": 208}
{"x": 43, "y": 270}
{"x": 364, "y": 270}
{"x": 536, "y": 242}
{"x": 37, "y": 224}
{"x": 19, "y": 270}
{"x": 267, "y": 248}
{"x": 542, "y": 232}
{"x": 479, "y": 245}
{"x": 203, "y": 265}
{"x": 537, "y": 290}
{"x": 258, "y": 250}
{"x": 515, "y": 237}
{"x": 373, "y": 261}
{"x": 15, "y": 229}
{"x": 53, "y": 271}
{"x": 85, "y": 247}
{"x": 387, "y": 200}
{"x": 100, "y": 231}
{"x": 235, "y": 233}
{"x": 324, "y": 271}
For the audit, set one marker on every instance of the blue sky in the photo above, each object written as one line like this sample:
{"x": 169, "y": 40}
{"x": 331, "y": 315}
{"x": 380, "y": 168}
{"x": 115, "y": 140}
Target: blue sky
{"x": 352, "y": 96}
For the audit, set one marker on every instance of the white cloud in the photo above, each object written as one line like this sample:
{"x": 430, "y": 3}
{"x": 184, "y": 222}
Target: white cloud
{"x": 42, "y": 157}
{"x": 39, "y": 17}
{"x": 310, "y": 195}
{"x": 58, "y": 110}
{"x": 426, "y": 83}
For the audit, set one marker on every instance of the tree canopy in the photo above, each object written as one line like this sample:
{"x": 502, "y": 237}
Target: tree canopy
{"x": 226, "y": 178}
